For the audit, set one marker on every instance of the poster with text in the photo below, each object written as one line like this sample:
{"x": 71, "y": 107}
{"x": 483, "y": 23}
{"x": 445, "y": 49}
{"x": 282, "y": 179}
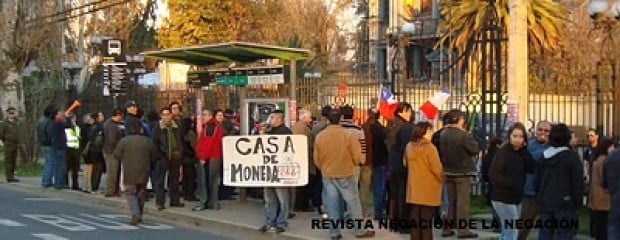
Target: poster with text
{"x": 265, "y": 161}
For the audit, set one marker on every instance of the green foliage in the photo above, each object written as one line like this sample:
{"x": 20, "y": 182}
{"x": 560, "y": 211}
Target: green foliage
{"x": 463, "y": 20}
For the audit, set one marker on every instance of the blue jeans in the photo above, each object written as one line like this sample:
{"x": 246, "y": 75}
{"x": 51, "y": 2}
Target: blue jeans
{"x": 335, "y": 190}
{"x": 378, "y": 190}
{"x": 59, "y": 167}
{"x": 273, "y": 198}
{"x": 558, "y": 233}
{"x": 507, "y": 213}
{"x": 46, "y": 179}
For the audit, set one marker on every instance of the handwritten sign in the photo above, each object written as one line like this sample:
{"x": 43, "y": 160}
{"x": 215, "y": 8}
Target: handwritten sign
{"x": 265, "y": 161}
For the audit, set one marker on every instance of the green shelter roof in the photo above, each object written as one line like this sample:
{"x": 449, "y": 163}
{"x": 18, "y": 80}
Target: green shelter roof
{"x": 227, "y": 52}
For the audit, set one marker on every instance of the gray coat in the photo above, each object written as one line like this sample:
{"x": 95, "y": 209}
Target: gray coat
{"x": 136, "y": 153}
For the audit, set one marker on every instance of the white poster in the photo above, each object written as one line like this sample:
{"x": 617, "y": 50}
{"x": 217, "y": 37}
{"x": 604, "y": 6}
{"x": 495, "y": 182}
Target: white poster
{"x": 265, "y": 161}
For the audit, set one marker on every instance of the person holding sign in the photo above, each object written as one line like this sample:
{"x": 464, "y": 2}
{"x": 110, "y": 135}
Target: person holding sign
{"x": 336, "y": 153}
{"x": 277, "y": 195}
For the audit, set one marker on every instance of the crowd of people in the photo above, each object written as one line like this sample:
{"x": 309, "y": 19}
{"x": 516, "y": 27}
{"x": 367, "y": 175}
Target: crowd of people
{"x": 399, "y": 170}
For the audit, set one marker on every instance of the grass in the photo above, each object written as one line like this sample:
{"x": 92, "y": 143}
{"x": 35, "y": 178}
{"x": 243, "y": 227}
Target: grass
{"x": 25, "y": 169}
{"x": 478, "y": 205}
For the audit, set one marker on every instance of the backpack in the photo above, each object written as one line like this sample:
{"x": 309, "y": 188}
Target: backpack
{"x": 42, "y": 135}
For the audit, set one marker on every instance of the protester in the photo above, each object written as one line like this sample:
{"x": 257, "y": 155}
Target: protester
{"x": 168, "y": 142}
{"x": 336, "y": 153}
{"x": 277, "y": 197}
{"x": 457, "y": 149}
{"x": 598, "y": 197}
{"x": 136, "y": 153}
{"x": 559, "y": 184}
{"x": 13, "y": 140}
{"x": 399, "y": 135}
{"x": 189, "y": 160}
{"x": 209, "y": 152}
{"x": 611, "y": 182}
{"x": 379, "y": 156}
{"x": 88, "y": 120}
{"x": 303, "y": 195}
{"x": 112, "y": 133}
{"x": 44, "y": 141}
{"x": 424, "y": 180}
{"x": 507, "y": 174}
{"x": 362, "y": 174}
{"x": 536, "y": 147}
{"x": 58, "y": 148}
{"x": 73, "y": 151}
{"x": 95, "y": 136}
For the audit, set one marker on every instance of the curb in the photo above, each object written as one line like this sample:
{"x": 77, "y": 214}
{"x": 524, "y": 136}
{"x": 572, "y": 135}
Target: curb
{"x": 173, "y": 216}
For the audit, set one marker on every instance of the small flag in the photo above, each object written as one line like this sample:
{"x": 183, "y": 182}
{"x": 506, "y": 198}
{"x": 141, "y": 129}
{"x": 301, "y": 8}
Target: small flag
{"x": 387, "y": 103}
{"x": 430, "y": 108}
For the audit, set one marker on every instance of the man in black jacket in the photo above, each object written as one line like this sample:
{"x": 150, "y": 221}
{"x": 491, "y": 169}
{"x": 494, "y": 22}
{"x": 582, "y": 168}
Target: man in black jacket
{"x": 168, "y": 141}
{"x": 559, "y": 185}
{"x": 457, "y": 148}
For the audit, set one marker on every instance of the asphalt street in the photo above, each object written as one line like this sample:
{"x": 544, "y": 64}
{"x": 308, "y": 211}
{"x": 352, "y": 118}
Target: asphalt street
{"x": 26, "y": 215}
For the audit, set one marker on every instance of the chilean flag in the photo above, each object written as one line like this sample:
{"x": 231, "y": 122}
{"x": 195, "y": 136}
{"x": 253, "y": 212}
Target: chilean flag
{"x": 430, "y": 108}
{"x": 387, "y": 103}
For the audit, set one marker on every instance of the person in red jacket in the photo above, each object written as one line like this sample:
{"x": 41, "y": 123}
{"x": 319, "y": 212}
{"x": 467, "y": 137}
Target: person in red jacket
{"x": 209, "y": 155}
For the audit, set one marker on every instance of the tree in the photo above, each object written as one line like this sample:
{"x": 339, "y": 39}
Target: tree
{"x": 463, "y": 19}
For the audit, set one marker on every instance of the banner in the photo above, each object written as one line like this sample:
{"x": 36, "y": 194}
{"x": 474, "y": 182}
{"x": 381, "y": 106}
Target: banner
{"x": 265, "y": 161}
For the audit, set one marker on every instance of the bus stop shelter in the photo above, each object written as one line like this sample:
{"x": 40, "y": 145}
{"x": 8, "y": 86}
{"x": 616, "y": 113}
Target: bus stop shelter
{"x": 241, "y": 52}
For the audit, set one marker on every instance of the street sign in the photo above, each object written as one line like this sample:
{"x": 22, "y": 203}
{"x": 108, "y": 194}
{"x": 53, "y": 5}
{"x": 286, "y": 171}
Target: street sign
{"x": 237, "y": 76}
{"x": 115, "y": 80}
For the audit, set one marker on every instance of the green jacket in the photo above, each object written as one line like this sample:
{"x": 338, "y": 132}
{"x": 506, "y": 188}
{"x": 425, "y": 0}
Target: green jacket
{"x": 10, "y": 133}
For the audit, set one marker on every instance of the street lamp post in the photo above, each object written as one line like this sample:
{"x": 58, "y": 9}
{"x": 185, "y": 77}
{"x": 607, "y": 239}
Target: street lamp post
{"x": 606, "y": 19}
{"x": 395, "y": 39}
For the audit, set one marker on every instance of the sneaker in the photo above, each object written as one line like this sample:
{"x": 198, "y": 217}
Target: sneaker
{"x": 468, "y": 235}
{"x": 263, "y": 229}
{"x": 337, "y": 237}
{"x": 198, "y": 208}
{"x": 367, "y": 234}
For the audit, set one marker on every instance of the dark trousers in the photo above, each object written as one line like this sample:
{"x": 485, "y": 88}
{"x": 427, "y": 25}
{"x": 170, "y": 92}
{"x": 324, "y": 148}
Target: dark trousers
{"x": 459, "y": 189}
{"x": 10, "y": 159}
{"x": 557, "y": 232}
{"x": 213, "y": 181}
{"x": 189, "y": 180}
{"x": 398, "y": 209}
{"x": 422, "y": 230}
{"x": 172, "y": 169}
{"x": 315, "y": 188}
{"x": 98, "y": 168}
{"x": 529, "y": 212}
{"x": 73, "y": 166}
{"x": 599, "y": 224}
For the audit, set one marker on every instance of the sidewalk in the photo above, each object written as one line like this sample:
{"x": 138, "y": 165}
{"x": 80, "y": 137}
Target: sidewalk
{"x": 233, "y": 216}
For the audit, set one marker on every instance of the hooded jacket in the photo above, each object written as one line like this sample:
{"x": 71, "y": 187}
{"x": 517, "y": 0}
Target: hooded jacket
{"x": 559, "y": 180}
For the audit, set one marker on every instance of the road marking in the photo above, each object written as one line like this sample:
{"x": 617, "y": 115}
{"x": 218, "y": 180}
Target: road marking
{"x": 42, "y": 199}
{"x": 60, "y": 222}
{"x": 114, "y": 226}
{"x": 10, "y": 223}
{"x": 143, "y": 224}
{"x": 48, "y": 236}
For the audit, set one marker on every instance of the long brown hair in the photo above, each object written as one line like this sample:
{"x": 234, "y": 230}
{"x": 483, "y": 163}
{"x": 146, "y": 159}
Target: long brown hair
{"x": 419, "y": 130}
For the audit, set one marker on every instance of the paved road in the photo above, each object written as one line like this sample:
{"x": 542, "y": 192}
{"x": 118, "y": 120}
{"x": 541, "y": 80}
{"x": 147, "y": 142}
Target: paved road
{"x": 26, "y": 215}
